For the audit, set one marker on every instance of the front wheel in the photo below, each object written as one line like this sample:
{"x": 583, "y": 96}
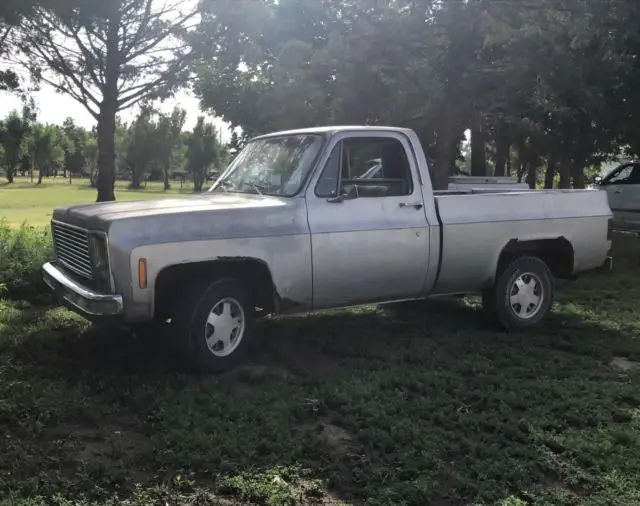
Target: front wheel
{"x": 523, "y": 294}
{"x": 215, "y": 324}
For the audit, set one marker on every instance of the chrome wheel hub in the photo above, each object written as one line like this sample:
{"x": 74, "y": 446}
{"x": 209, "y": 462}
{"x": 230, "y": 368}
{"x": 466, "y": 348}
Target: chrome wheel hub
{"x": 526, "y": 296}
{"x": 225, "y": 327}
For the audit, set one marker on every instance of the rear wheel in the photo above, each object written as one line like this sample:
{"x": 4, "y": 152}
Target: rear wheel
{"x": 523, "y": 294}
{"x": 214, "y": 324}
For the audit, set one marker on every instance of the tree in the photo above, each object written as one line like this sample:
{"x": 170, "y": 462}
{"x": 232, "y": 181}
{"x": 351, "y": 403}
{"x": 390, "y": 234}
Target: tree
{"x": 203, "y": 151}
{"x": 169, "y": 141}
{"x": 75, "y": 149}
{"x": 109, "y": 56}
{"x": 141, "y": 147}
{"x": 553, "y": 75}
{"x": 13, "y": 135}
{"x": 45, "y": 144}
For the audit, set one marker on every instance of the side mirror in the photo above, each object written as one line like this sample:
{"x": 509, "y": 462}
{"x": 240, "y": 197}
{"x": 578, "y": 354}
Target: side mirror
{"x": 343, "y": 196}
{"x": 597, "y": 180}
{"x": 336, "y": 200}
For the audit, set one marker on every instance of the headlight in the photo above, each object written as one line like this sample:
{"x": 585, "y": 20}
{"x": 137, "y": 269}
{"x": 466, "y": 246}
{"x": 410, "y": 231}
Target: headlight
{"x": 100, "y": 260}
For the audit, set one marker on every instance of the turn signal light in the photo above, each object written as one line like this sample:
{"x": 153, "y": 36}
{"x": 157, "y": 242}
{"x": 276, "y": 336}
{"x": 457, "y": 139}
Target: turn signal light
{"x": 142, "y": 273}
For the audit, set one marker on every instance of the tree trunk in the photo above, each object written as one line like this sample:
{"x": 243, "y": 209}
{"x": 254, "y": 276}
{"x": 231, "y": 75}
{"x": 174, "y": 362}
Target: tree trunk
{"x": 40, "y": 174}
{"x": 135, "y": 179}
{"x": 550, "y": 174}
{"x": 508, "y": 171}
{"x": 478, "y": 149}
{"x": 502, "y": 153}
{"x": 522, "y": 170}
{"x": 167, "y": 185}
{"x": 10, "y": 173}
{"x": 532, "y": 176}
{"x": 108, "y": 109}
{"x": 448, "y": 137}
{"x": 198, "y": 182}
{"x": 565, "y": 172}
{"x": 577, "y": 174}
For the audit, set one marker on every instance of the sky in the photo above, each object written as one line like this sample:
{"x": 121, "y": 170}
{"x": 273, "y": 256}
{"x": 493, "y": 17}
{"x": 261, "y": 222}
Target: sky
{"x": 55, "y": 107}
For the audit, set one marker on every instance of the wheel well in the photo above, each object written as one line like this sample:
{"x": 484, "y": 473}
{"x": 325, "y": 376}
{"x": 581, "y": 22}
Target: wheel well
{"x": 171, "y": 280}
{"x": 556, "y": 253}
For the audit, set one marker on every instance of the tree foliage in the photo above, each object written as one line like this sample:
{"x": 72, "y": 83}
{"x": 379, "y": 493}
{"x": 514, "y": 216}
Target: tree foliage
{"x": 203, "y": 152}
{"x": 541, "y": 83}
{"x": 109, "y": 56}
{"x": 14, "y": 134}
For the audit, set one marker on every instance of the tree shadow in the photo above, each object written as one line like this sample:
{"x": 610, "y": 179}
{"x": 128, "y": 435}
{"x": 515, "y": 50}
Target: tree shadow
{"x": 475, "y": 399}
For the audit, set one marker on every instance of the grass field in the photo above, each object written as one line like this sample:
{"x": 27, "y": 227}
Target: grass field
{"x": 25, "y": 201}
{"x": 425, "y": 405}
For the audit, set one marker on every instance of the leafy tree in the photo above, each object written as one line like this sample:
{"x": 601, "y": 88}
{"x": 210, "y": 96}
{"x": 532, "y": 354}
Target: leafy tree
{"x": 140, "y": 152}
{"x": 46, "y": 145}
{"x": 169, "y": 141}
{"x": 203, "y": 152}
{"x": 75, "y": 149}
{"x": 109, "y": 56}
{"x": 13, "y": 134}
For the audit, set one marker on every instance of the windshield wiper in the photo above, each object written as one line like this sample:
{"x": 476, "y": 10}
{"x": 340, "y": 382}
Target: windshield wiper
{"x": 260, "y": 190}
{"x": 224, "y": 185}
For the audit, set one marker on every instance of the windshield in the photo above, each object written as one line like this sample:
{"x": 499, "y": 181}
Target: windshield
{"x": 271, "y": 166}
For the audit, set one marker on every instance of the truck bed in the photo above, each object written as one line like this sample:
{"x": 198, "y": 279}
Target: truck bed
{"x": 476, "y": 226}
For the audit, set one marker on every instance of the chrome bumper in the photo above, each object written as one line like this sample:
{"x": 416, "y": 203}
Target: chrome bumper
{"x": 78, "y": 298}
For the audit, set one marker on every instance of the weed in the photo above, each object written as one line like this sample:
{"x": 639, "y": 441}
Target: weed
{"x": 377, "y": 405}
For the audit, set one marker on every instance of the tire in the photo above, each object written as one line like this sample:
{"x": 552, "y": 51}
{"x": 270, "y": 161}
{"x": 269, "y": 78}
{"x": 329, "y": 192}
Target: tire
{"x": 227, "y": 301}
{"x": 530, "y": 277}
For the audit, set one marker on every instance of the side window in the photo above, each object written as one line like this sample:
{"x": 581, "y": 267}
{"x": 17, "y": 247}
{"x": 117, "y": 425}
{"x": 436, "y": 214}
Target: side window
{"x": 327, "y": 186}
{"x": 366, "y": 167}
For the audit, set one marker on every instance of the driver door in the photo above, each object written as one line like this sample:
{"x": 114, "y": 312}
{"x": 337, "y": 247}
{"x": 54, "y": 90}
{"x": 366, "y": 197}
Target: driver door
{"x": 369, "y": 236}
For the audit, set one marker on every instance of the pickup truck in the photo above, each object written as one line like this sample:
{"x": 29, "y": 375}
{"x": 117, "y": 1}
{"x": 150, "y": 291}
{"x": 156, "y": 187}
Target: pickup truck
{"x": 291, "y": 227}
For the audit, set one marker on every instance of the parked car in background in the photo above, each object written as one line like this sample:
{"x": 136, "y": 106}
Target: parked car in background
{"x": 622, "y": 186}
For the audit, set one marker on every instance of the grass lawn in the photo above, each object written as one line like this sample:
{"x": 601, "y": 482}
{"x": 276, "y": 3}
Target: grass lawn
{"x": 25, "y": 201}
{"x": 389, "y": 406}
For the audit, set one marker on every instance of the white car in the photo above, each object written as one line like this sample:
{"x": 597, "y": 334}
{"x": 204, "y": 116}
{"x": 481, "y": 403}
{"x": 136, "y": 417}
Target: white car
{"x": 622, "y": 185}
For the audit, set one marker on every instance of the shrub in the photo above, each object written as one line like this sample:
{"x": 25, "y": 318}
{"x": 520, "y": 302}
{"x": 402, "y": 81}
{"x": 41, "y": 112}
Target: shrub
{"x": 22, "y": 252}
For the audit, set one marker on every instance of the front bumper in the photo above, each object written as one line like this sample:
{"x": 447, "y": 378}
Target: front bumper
{"x": 84, "y": 301}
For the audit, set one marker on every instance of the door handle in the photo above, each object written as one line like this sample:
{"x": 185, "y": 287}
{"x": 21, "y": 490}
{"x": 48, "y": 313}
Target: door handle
{"x": 415, "y": 205}
{"x": 618, "y": 191}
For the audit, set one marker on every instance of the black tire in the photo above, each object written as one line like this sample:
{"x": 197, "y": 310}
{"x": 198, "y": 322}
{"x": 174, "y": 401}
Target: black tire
{"x": 191, "y": 327}
{"x": 497, "y": 301}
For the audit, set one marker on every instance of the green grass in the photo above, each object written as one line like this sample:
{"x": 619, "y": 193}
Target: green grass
{"x": 387, "y": 406}
{"x": 24, "y": 201}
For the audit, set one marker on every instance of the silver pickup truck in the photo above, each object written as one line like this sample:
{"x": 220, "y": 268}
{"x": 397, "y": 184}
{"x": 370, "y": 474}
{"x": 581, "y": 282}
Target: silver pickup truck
{"x": 291, "y": 226}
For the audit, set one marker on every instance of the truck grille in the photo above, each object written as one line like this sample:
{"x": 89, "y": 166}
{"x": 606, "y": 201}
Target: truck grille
{"x": 71, "y": 246}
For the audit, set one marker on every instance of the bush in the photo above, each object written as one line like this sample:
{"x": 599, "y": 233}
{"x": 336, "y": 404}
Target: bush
{"x": 22, "y": 252}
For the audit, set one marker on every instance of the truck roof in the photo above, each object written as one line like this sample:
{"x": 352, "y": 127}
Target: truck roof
{"x": 335, "y": 129}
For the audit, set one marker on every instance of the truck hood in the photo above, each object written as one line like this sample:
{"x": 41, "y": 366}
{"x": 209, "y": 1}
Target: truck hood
{"x": 198, "y": 217}
{"x": 99, "y": 215}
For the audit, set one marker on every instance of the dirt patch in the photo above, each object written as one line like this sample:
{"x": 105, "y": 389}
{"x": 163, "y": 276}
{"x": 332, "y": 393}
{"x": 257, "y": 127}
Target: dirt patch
{"x": 552, "y": 482}
{"x": 625, "y": 365}
{"x": 117, "y": 449}
{"x": 337, "y": 440}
